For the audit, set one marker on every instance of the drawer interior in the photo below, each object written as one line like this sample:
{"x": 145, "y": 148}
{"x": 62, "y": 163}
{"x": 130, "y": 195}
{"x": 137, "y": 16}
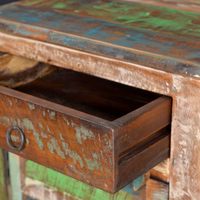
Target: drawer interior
{"x": 85, "y": 93}
{"x": 127, "y": 129}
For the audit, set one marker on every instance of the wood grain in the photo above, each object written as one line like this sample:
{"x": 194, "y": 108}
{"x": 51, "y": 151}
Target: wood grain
{"x": 49, "y": 142}
{"x": 186, "y": 5}
{"x": 128, "y": 169}
{"x": 156, "y": 190}
{"x": 16, "y": 71}
{"x": 184, "y": 163}
{"x": 39, "y": 182}
{"x": 152, "y": 36}
{"x": 55, "y": 124}
{"x": 102, "y": 98}
{"x": 161, "y": 171}
{"x": 3, "y": 186}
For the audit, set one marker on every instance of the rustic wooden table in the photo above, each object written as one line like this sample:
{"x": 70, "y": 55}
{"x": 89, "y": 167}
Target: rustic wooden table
{"x": 152, "y": 45}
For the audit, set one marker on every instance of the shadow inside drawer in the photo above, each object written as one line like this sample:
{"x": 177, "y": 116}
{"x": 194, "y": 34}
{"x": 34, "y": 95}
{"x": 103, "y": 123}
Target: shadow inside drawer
{"x": 92, "y": 95}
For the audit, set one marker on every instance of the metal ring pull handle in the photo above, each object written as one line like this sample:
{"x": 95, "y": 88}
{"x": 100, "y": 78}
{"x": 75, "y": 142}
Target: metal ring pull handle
{"x": 8, "y": 134}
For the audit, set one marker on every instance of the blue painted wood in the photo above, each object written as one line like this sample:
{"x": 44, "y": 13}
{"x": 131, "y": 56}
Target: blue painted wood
{"x": 150, "y": 46}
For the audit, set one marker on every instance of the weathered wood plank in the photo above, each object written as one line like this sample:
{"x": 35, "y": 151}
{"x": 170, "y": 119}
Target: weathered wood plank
{"x": 128, "y": 169}
{"x": 3, "y": 186}
{"x": 149, "y": 37}
{"x": 186, "y": 5}
{"x": 41, "y": 182}
{"x": 54, "y": 133}
{"x": 74, "y": 90}
{"x": 15, "y": 177}
{"x": 184, "y": 90}
{"x": 140, "y": 182}
{"x": 161, "y": 171}
{"x": 16, "y": 71}
{"x": 49, "y": 142}
{"x": 156, "y": 190}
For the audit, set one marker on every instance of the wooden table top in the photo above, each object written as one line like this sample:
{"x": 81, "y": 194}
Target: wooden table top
{"x": 142, "y": 33}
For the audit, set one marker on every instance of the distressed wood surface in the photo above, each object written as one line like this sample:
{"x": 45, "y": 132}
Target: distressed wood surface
{"x": 185, "y": 173}
{"x": 185, "y": 176}
{"x": 186, "y": 5}
{"x": 15, "y": 177}
{"x": 43, "y": 183}
{"x": 16, "y": 71}
{"x": 156, "y": 190}
{"x": 49, "y": 144}
{"x": 159, "y": 37}
{"x": 88, "y": 148}
{"x": 140, "y": 182}
{"x": 161, "y": 171}
{"x": 3, "y": 186}
{"x": 151, "y": 190}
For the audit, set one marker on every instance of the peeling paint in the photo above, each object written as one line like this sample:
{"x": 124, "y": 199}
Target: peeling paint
{"x": 61, "y": 137}
{"x": 65, "y": 119}
{"x": 10, "y": 102}
{"x": 43, "y": 112}
{"x": 82, "y": 133}
{"x": 72, "y": 154}
{"x": 27, "y": 141}
{"x": 13, "y": 122}
{"x": 108, "y": 143}
{"x": 15, "y": 138}
{"x": 27, "y": 124}
{"x": 52, "y": 115}
{"x": 55, "y": 146}
{"x": 95, "y": 156}
{"x": 42, "y": 131}
{"x": 31, "y": 106}
{"x": 38, "y": 140}
{"x": 5, "y": 121}
{"x": 92, "y": 165}
{"x": 50, "y": 146}
{"x": 48, "y": 129}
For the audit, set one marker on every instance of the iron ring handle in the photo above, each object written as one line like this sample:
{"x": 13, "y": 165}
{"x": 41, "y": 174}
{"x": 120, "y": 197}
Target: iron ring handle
{"x": 8, "y": 138}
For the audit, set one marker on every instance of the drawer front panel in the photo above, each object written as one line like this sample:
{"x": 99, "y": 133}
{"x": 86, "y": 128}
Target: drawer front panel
{"x": 69, "y": 144}
{"x": 125, "y": 133}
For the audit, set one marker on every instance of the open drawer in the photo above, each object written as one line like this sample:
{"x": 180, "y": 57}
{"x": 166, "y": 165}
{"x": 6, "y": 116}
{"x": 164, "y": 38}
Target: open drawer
{"x": 100, "y": 132}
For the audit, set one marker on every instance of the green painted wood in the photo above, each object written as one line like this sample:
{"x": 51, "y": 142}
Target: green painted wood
{"x": 3, "y": 187}
{"x": 133, "y": 14}
{"x": 15, "y": 177}
{"x": 153, "y": 36}
{"x": 69, "y": 185}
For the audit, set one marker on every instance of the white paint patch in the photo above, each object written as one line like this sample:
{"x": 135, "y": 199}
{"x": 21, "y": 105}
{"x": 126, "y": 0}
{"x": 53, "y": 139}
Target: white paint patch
{"x": 177, "y": 83}
{"x": 29, "y": 182}
{"x": 52, "y": 115}
{"x": 31, "y": 106}
{"x": 183, "y": 143}
{"x": 185, "y": 128}
{"x": 10, "y": 102}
